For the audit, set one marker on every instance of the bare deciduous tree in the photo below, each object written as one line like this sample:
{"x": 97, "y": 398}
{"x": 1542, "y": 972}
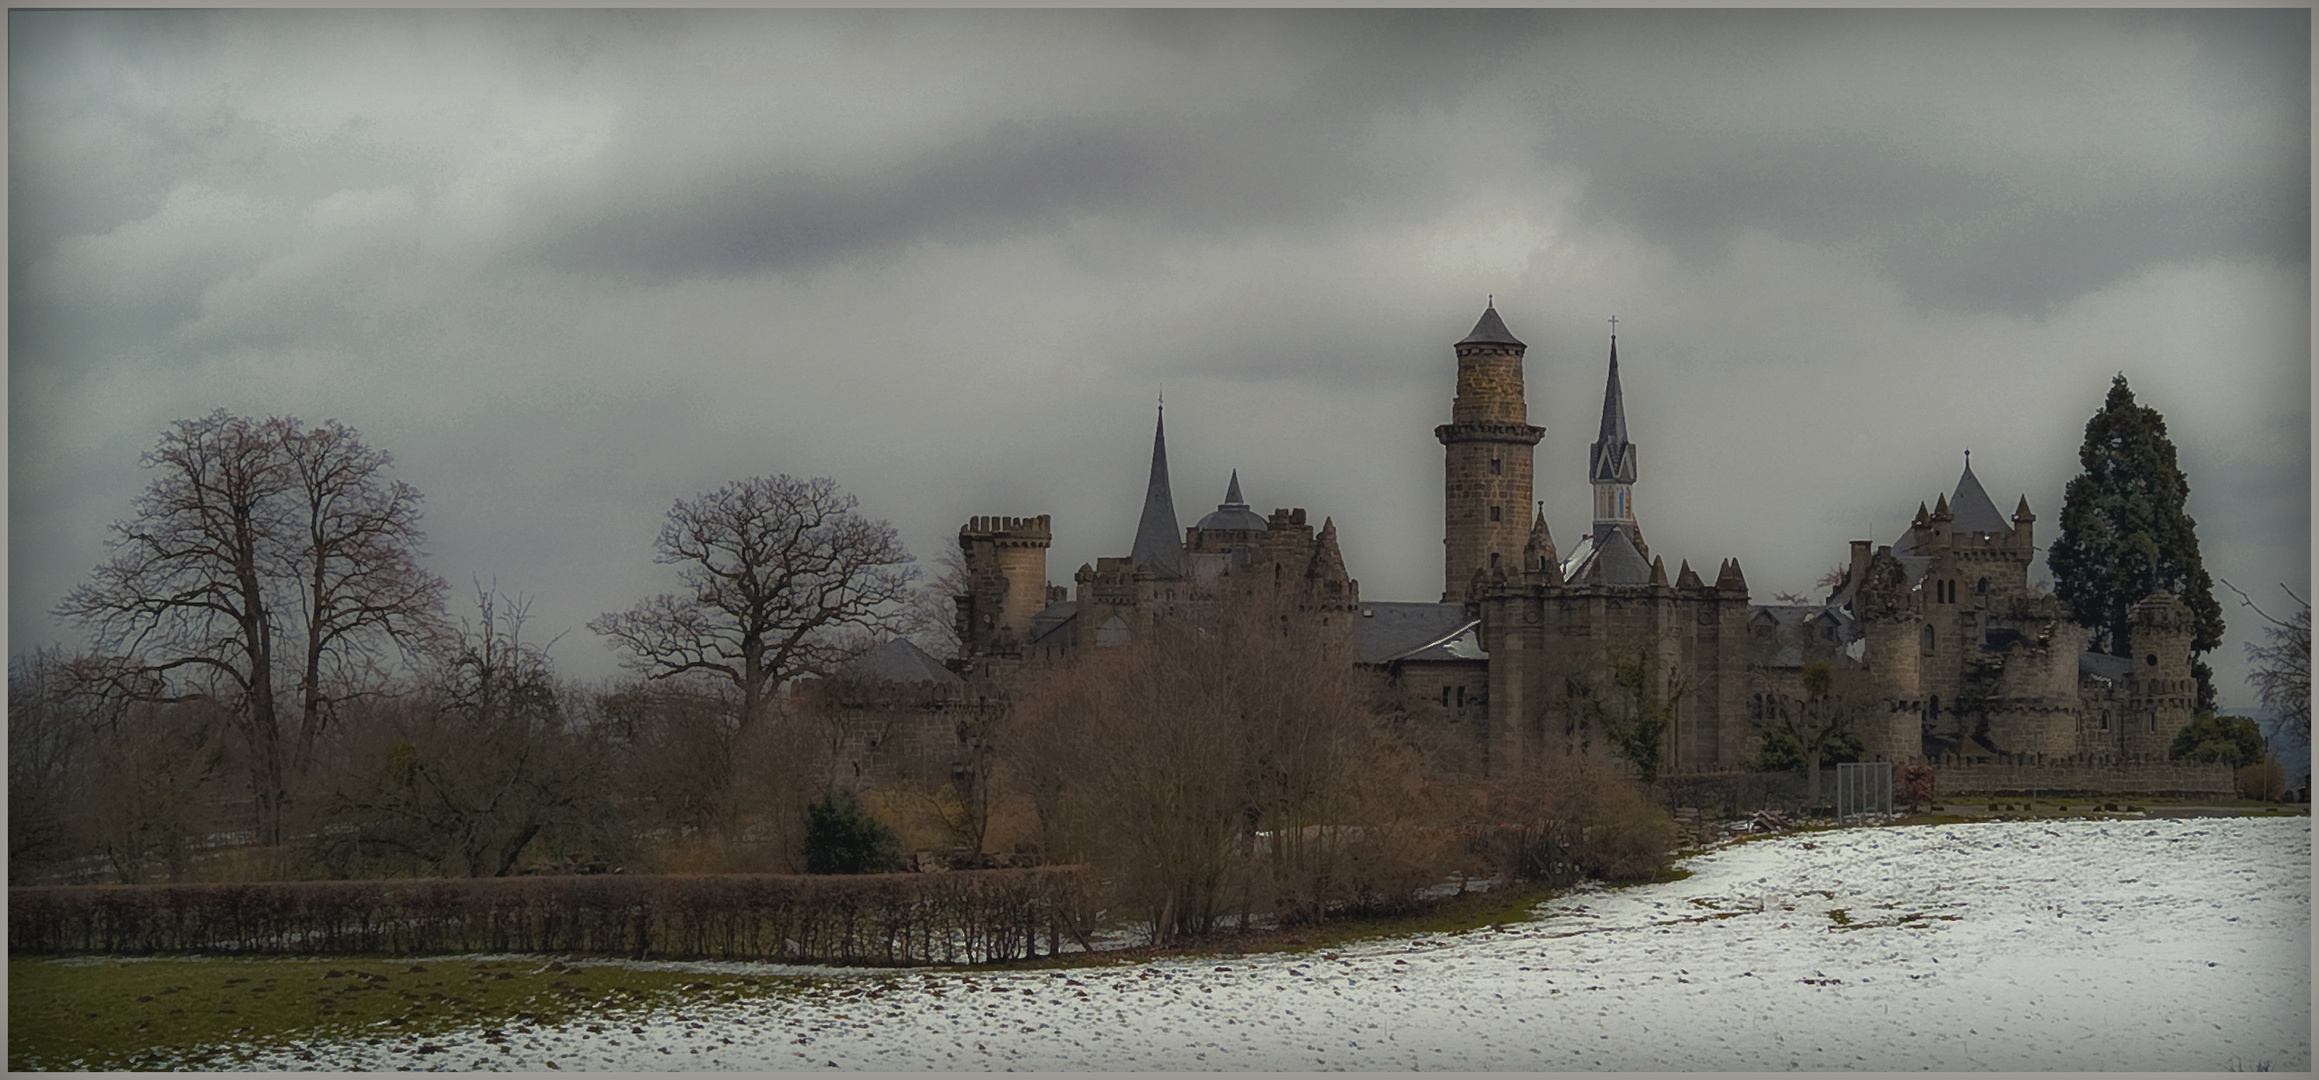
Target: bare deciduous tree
{"x": 1242, "y": 766}
{"x": 467, "y": 777}
{"x": 777, "y": 572}
{"x": 256, "y": 533}
{"x": 2282, "y": 674}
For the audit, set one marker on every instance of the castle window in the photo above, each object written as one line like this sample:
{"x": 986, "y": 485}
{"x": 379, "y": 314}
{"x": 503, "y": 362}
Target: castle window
{"x": 2153, "y": 721}
{"x": 1493, "y": 513}
{"x": 1928, "y": 641}
{"x": 1445, "y": 697}
{"x": 1461, "y": 701}
{"x": 1493, "y": 560}
{"x": 1496, "y": 466}
{"x": 2151, "y": 659}
{"x": 2105, "y": 719}
{"x": 1983, "y": 587}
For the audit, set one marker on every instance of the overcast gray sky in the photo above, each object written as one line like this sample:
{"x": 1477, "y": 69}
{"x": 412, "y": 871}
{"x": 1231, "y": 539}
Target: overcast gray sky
{"x": 569, "y": 266}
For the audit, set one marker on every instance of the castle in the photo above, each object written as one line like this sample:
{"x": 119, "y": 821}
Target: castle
{"x": 1970, "y": 668}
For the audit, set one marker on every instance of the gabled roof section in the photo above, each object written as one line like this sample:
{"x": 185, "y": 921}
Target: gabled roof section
{"x": 1974, "y": 511}
{"x": 1491, "y": 330}
{"x": 1827, "y": 629}
{"x": 1387, "y": 632}
{"x": 901, "y": 661}
{"x": 1058, "y": 625}
{"x": 1159, "y": 541}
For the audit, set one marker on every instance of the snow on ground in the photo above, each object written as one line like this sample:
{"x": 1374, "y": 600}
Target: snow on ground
{"x": 2155, "y": 945}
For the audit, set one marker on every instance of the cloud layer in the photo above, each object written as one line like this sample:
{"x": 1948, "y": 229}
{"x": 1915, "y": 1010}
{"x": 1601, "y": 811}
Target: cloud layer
{"x": 571, "y": 266}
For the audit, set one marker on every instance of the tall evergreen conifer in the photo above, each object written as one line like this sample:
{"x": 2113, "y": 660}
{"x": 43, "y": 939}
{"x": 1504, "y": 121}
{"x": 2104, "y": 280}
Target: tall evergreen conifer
{"x": 2125, "y": 533}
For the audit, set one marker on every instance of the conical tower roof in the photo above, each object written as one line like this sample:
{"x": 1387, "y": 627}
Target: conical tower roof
{"x": 1159, "y": 542}
{"x": 1974, "y": 510}
{"x": 1491, "y": 330}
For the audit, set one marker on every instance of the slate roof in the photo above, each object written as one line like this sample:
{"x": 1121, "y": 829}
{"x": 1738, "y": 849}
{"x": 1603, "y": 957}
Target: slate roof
{"x": 1973, "y": 509}
{"x": 1233, "y": 513}
{"x": 902, "y": 661}
{"x": 1612, "y": 458}
{"x": 1388, "y": 632}
{"x": 1491, "y": 330}
{"x": 1621, "y": 563}
{"x": 1159, "y": 542}
{"x": 1058, "y": 625}
{"x": 1794, "y": 623}
{"x": 2104, "y": 666}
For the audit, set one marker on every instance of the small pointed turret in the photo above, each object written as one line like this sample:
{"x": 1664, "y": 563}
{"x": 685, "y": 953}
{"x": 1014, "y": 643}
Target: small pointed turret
{"x": 2021, "y": 514}
{"x": 1328, "y": 562}
{"x": 1159, "y": 542}
{"x": 1658, "y": 571}
{"x": 1941, "y": 511}
{"x": 1689, "y": 578}
{"x": 1922, "y": 515}
{"x": 1539, "y": 553}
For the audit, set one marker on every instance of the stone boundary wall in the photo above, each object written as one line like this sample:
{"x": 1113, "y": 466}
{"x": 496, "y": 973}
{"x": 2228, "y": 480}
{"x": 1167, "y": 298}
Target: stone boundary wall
{"x": 2022, "y": 774}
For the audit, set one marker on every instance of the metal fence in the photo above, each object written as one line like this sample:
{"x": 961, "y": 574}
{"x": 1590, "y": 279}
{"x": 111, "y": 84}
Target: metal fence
{"x": 1863, "y": 788}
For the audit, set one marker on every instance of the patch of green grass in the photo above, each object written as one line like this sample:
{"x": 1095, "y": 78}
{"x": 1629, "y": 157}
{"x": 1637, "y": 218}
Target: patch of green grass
{"x": 216, "y": 1012}
{"x": 1839, "y": 916}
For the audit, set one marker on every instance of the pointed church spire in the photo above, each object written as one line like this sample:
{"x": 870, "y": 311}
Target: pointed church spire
{"x": 1614, "y": 414}
{"x": 1610, "y": 464}
{"x": 1159, "y": 542}
{"x": 1232, "y": 494}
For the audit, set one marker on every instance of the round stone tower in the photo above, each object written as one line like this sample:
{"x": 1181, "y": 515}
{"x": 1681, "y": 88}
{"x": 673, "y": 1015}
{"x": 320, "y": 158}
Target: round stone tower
{"x": 1488, "y": 444}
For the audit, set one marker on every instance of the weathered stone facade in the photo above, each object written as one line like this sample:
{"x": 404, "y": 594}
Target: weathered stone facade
{"x": 1969, "y": 665}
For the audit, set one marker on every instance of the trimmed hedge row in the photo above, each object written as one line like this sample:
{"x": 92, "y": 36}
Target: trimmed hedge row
{"x": 968, "y": 916}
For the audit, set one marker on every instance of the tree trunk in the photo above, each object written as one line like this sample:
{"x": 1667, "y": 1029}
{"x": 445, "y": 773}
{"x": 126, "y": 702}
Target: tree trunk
{"x": 1812, "y": 778}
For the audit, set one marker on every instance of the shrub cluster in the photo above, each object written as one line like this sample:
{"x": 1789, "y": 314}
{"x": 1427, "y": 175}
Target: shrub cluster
{"x": 977, "y": 916}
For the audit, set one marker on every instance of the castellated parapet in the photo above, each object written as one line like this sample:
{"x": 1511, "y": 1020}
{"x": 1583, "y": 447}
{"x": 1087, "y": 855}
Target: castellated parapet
{"x": 1006, "y": 572}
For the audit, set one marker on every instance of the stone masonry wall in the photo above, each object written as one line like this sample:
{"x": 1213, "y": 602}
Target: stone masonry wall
{"x": 2007, "y": 774}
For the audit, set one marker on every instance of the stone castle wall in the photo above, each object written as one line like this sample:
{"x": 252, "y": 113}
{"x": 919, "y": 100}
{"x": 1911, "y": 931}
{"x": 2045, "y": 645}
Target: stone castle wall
{"x": 2075, "y": 774}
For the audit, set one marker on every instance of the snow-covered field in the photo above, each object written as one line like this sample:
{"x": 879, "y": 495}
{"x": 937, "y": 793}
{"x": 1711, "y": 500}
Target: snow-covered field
{"x": 2125, "y": 945}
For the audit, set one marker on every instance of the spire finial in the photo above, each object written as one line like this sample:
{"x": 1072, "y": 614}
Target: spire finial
{"x": 1614, "y": 327}
{"x": 1489, "y": 300}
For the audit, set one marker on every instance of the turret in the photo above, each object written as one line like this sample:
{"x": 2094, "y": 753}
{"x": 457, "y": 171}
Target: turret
{"x": 1488, "y": 447}
{"x": 1006, "y": 574}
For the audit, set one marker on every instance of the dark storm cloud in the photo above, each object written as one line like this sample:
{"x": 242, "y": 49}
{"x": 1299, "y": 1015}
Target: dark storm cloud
{"x": 1290, "y": 160}
{"x": 2048, "y": 198}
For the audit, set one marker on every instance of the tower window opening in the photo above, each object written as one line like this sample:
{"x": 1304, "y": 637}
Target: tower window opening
{"x": 1493, "y": 513}
{"x": 1497, "y": 466}
{"x": 1493, "y": 560}
{"x": 1928, "y": 641}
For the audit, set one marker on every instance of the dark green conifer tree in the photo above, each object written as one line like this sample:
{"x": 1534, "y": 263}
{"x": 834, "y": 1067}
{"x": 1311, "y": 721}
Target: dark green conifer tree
{"x": 2125, "y": 533}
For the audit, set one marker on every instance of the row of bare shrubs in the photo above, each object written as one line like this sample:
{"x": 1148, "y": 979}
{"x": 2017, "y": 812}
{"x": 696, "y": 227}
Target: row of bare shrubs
{"x": 976, "y": 916}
